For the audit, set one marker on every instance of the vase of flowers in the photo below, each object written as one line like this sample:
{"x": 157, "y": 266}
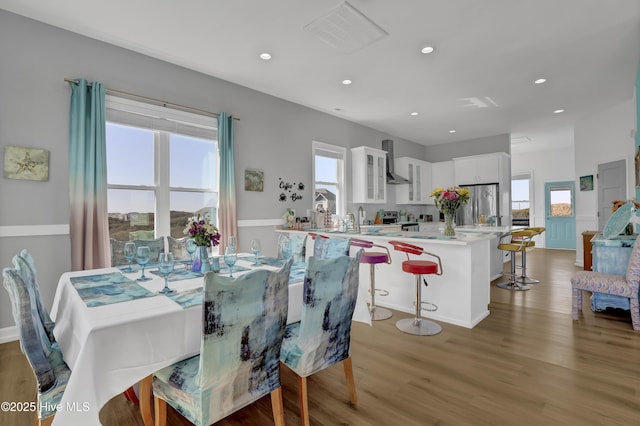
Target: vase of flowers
{"x": 449, "y": 200}
{"x": 205, "y": 235}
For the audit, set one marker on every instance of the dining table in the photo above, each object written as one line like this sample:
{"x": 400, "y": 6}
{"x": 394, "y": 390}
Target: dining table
{"x": 115, "y": 331}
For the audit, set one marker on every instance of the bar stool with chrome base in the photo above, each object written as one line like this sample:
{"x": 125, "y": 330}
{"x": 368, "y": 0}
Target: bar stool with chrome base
{"x": 523, "y": 278}
{"x": 373, "y": 258}
{"x": 418, "y": 325}
{"x": 519, "y": 241}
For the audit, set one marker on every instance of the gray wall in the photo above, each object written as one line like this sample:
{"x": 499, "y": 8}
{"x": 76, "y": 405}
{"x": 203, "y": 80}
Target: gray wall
{"x": 273, "y": 135}
{"x": 445, "y": 152}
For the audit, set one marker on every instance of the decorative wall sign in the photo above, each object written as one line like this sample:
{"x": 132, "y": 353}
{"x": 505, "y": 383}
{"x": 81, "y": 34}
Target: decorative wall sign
{"x": 26, "y": 163}
{"x": 287, "y": 187}
{"x": 586, "y": 183}
{"x": 253, "y": 180}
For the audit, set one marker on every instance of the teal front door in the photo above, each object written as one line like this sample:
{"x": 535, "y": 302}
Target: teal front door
{"x": 559, "y": 204}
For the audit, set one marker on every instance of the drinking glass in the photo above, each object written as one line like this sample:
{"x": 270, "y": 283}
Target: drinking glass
{"x": 165, "y": 266}
{"x": 230, "y": 257}
{"x": 191, "y": 248}
{"x": 129, "y": 253}
{"x": 142, "y": 258}
{"x": 284, "y": 247}
{"x": 232, "y": 241}
{"x": 256, "y": 249}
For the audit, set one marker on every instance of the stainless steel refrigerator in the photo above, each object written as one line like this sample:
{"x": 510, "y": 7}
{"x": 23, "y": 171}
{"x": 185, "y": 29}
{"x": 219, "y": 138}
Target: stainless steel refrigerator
{"x": 483, "y": 200}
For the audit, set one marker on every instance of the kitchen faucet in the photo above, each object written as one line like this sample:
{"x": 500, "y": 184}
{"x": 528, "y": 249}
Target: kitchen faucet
{"x": 360, "y": 214}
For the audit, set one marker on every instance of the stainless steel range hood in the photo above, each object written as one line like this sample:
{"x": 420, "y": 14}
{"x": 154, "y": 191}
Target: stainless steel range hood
{"x": 392, "y": 177}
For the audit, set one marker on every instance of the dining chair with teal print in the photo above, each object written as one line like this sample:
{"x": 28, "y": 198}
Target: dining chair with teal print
{"x": 322, "y": 337}
{"x": 178, "y": 246}
{"x": 25, "y": 265}
{"x": 45, "y": 358}
{"x": 244, "y": 320}
{"x": 328, "y": 247}
{"x": 296, "y": 242}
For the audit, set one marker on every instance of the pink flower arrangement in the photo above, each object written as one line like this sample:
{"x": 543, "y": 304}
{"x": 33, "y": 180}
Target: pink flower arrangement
{"x": 450, "y": 199}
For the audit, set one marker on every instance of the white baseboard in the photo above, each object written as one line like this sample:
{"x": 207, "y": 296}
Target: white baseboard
{"x": 8, "y": 334}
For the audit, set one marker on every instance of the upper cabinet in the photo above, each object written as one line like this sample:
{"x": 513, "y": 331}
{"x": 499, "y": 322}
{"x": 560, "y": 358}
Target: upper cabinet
{"x": 485, "y": 168}
{"x": 418, "y": 173}
{"x": 442, "y": 175}
{"x": 369, "y": 175}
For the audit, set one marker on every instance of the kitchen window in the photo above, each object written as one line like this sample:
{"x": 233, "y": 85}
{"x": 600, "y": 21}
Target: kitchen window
{"x": 521, "y": 200}
{"x": 162, "y": 167}
{"x": 329, "y": 178}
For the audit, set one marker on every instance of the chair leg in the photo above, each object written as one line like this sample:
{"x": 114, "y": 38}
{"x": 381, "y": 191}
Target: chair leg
{"x": 576, "y": 302}
{"x": 130, "y": 394}
{"x": 145, "y": 401}
{"x": 44, "y": 422}
{"x": 304, "y": 405}
{"x": 351, "y": 384}
{"x": 160, "y": 408}
{"x": 277, "y": 406}
{"x": 635, "y": 312}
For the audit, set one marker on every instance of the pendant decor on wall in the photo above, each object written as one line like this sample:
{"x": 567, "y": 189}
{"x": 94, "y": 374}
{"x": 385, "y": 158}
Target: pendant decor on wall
{"x": 287, "y": 188}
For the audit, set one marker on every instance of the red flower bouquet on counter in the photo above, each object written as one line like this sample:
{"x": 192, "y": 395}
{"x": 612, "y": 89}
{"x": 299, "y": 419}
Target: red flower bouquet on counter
{"x": 449, "y": 200}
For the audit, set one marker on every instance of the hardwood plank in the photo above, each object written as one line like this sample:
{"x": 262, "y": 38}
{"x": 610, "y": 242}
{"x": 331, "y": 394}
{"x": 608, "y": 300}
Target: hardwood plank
{"x": 528, "y": 362}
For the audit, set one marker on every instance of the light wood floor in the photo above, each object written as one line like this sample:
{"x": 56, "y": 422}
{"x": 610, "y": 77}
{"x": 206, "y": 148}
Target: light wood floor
{"x": 527, "y": 363}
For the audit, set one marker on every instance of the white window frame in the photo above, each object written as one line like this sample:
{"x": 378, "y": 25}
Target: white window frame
{"x": 162, "y": 121}
{"x": 339, "y": 153}
{"x": 522, "y": 176}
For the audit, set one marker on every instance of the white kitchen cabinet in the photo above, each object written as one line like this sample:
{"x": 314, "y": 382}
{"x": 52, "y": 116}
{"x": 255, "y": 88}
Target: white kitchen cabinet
{"x": 478, "y": 169}
{"x": 368, "y": 175}
{"x": 418, "y": 172}
{"x": 442, "y": 176}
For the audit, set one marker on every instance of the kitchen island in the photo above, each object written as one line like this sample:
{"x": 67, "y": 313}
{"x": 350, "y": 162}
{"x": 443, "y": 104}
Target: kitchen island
{"x": 461, "y": 293}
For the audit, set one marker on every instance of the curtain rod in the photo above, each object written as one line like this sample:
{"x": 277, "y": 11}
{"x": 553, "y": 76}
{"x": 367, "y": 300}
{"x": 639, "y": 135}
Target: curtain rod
{"x": 156, "y": 101}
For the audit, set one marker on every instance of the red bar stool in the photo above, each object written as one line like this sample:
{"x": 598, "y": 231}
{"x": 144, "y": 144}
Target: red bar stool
{"x": 418, "y": 325}
{"x": 373, "y": 258}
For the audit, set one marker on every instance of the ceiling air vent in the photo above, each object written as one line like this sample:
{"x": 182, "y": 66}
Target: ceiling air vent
{"x": 345, "y": 29}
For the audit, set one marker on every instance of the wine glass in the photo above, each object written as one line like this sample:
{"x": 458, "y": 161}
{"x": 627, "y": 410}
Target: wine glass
{"x": 191, "y": 247}
{"x": 232, "y": 241}
{"x": 284, "y": 247}
{"x": 230, "y": 257}
{"x": 256, "y": 249}
{"x": 129, "y": 253}
{"x": 165, "y": 266}
{"x": 142, "y": 258}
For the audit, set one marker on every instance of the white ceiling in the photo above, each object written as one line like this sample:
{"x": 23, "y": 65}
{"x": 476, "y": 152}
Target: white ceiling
{"x": 486, "y": 50}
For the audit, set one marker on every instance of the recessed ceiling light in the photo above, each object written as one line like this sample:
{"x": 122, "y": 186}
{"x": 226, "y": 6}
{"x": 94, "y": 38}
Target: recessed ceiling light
{"x": 347, "y": 82}
{"x": 414, "y": 113}
{"x": 558, "y": 111}
{"x": 428, "y": 49}
{"x": 539, "y": 81}
{"x": 452, "y": 131}
{"x": 265, "y": 56}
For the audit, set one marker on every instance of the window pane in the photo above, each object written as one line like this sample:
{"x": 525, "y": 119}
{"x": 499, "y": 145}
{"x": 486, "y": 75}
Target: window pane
{"x": 193, "y": 163}
{"x": 129, "y": 155}
{"x": 560, "y": 202}
{"x": 131, "y": 214}
{"x": 520, "y": 202}
{"x": 325, "y": 198}
{"x": 326, "y": 169}
{"x": 183, "y": 205}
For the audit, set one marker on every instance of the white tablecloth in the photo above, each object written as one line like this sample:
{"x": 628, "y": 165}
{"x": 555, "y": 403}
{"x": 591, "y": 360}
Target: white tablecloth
{"x": 109, "y": 348}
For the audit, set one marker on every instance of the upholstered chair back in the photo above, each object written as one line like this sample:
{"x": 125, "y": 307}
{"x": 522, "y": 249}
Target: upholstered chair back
{"x": 50, "y": 371}
{"x": 326, "y": 248}
{"x": 298, "y": 244}
{"x": 25, "y": 265}
{"x": 323, "y": 335}
{"x": 244, "y": 320}
{"x": 178, "y": 246}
